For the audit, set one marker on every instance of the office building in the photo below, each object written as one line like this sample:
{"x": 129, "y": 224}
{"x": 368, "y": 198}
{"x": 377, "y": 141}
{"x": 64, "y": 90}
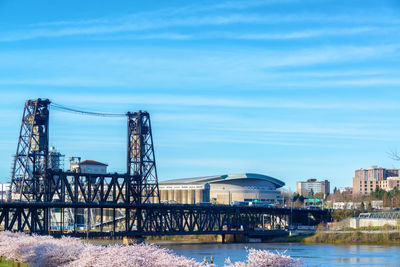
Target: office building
{"x": 313, "y": 186}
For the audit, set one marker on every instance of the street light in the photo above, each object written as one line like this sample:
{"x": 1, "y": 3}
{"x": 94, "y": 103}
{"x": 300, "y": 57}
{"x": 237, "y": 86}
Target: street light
{"x": 291, "y": 210}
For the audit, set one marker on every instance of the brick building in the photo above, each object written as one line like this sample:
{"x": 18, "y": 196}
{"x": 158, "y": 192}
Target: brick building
{"x": 365, "y": 181}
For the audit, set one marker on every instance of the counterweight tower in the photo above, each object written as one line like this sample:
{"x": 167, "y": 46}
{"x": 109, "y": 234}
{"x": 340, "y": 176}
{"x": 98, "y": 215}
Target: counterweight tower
{"x": 28, "y": 178}
{"x": 141, "y": 163}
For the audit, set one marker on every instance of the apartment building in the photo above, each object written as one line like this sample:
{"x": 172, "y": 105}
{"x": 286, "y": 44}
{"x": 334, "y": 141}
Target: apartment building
{"x": 366, "y": 181}
{"x": 305, "y": 188}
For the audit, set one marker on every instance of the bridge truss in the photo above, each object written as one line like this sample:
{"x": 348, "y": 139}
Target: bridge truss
{"x": 85, "y": 204}
{"x": 148, "y": 219}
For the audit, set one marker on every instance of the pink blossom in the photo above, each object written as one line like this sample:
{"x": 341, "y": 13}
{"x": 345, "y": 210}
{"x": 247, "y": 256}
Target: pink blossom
{"x": 264, "y": 258}
{"x": 72, "y": 252}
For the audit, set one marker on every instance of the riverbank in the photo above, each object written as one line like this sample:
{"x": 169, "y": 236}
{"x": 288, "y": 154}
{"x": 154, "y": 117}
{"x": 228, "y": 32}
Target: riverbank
{"x": 184, "y": 239}
{"x": 10, "y": 263}
{"x": 371, "y": 236}
{"x": 355, "y": 237}
{"x": 359, "y": 236}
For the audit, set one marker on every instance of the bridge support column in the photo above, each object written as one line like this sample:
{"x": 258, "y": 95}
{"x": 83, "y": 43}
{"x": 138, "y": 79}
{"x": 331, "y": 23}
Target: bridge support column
{"x": 232, "y": 238}
{"x": 185, "y": 197}
{"x": 198, "y": 196}
{"x": 191, "y": 197}
{"x": 179, "y": 196}
{"x": 163, "y": 195}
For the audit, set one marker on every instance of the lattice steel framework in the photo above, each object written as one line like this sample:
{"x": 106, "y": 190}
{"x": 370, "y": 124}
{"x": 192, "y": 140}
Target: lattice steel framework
{"x": 141, "y": 163}
{"x": 28, "y": 178}
{"x": 124, "y": 219}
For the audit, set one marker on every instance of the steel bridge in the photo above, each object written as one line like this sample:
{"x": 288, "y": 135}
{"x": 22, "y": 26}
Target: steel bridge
{"x": 51, "y": 201}
{"x": 149, "y": 219}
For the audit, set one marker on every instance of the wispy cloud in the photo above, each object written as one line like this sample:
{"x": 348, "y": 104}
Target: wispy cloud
{"x": 227, "y": 102}
{"x": 306, "y": 33}
{"x": 178, "y": 68}
{"x": 302, "y": 34}
{"x": 193, "y": 16}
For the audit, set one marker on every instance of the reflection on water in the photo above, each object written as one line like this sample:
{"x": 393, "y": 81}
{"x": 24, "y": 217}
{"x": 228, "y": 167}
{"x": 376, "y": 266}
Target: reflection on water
{"x": 312, "y": 254}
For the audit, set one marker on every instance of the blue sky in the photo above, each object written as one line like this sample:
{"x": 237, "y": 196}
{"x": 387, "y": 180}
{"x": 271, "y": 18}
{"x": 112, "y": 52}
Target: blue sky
{"x": 291, "y": 88}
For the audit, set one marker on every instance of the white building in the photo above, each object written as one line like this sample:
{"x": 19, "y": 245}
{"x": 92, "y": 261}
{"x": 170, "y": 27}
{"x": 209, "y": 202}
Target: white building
{"x": 346, "y": 205}
{"x": 4, "y": 189}
{"x": 89, "y": 166}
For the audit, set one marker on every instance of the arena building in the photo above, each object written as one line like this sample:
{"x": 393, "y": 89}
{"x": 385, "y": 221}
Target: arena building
{"x": 222, "y": 189}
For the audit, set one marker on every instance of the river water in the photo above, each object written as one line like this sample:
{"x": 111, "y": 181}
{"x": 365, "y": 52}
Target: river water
{"x": 312, "y": 254}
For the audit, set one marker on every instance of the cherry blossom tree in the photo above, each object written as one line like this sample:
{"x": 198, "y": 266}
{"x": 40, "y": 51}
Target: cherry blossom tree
{"x": 47, "y": 251}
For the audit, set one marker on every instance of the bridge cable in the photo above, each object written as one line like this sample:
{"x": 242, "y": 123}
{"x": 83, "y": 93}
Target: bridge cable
{"x": 84, "y": 112}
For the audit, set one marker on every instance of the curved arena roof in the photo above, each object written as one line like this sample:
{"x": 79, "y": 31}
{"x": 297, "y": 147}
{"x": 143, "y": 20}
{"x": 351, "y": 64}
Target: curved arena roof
{"x": 225, "y": 177}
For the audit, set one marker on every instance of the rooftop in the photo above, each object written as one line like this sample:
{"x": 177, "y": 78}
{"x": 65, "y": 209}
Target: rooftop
{"x": 225, "y": 177}
{"x": 91, "y": 162}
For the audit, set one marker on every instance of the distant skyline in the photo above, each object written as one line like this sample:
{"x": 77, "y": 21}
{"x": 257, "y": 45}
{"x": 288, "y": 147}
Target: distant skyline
{"x": 293, "y": 89}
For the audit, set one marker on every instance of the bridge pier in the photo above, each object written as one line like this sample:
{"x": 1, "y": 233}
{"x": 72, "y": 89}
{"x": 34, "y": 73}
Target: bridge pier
{"x": 232, "y": 238}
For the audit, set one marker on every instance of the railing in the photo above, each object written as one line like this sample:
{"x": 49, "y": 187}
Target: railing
{"x": 380, "y": 215}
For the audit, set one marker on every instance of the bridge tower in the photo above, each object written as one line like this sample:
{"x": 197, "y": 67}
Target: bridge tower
{"x": 28, "y": 177}
{"x": 141, "y": 163}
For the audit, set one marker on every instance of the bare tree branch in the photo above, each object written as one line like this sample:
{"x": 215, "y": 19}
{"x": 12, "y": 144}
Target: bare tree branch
{"x": 393, "y": 154}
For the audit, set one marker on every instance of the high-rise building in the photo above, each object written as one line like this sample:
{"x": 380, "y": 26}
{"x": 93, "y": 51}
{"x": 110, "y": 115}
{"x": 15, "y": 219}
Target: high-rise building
{"x": 376, "y": 173}
{"x": 366, "y": 181}
{"x": 312, "y": 185}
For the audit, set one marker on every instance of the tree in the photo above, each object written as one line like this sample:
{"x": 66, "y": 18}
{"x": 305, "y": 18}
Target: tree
{"x": 369, "y": 206}
{"x": 319, "y": 195}
{"x": 386, "y": 200}
{"x": 362, "y": 206}
{"x": 311, "y": 192}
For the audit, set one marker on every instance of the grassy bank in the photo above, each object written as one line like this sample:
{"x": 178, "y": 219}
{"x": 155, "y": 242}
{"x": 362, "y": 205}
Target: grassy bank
{"x": 10, "y": 263}
{"x": 184, "y": 238}
{"x": 350, "y": 237}
{"x": 354, "y": 237}
{"x": 288, "y": 239}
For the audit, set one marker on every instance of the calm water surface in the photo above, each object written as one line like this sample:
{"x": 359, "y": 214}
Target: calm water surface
{"x": 312, "y": 254}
